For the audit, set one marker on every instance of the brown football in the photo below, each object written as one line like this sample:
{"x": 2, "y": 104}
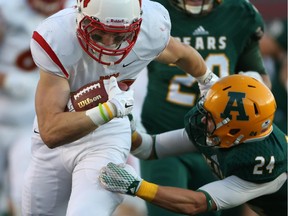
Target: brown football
{"x": 89, "y": 96}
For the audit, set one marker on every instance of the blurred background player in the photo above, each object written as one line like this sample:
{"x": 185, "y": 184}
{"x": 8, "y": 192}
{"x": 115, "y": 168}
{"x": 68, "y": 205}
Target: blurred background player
{"x": 18, "y": 79}
{"x": 226, "y": 34}
{"x": 274, "y": 50}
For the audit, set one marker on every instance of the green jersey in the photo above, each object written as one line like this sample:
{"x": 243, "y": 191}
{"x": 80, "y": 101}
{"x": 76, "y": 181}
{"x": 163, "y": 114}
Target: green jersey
{"x": 256, "y": 161}
{"x": 225, "y": 40}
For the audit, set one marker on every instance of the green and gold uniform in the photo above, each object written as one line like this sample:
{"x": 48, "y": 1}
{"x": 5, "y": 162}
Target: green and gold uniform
{"x": 255, "y": 161}
{"x": 227, "y": 38}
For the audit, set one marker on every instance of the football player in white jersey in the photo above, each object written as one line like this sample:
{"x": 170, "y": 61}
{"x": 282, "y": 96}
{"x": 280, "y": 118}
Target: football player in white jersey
{"x": 18, "y": 80}
{"x": 97, "y": 40}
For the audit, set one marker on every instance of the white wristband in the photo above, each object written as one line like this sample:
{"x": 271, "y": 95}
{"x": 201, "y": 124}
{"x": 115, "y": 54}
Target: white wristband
{"x": 145, "y": 149}
{"x": 206, "y": 81}
{"x": 101, "y": 114}
{"x": 206, "y": 78}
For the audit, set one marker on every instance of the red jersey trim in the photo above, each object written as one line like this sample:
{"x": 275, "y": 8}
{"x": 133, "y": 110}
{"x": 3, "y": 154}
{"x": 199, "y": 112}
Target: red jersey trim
{"x": 41, "y": 41}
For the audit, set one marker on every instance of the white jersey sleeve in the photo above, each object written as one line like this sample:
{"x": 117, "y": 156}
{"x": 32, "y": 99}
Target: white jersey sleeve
{"x": 173, "y": 143}
{"x": 155, "y": 30}
{"x": 233, "y": 191}
{"x": 54, "y": 48}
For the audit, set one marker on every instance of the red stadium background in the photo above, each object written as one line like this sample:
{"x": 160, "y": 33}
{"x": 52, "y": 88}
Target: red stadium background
{"x": 271, "y": 9}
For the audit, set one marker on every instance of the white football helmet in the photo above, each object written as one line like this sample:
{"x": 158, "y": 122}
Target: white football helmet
{"x": 107, "y": 29}
{"x": 47, "y": 7}
{"x": 195, "y": 7}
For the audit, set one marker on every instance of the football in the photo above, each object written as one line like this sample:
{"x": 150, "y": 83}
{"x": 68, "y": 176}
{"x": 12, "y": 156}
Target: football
{"x": 89, "y": 96}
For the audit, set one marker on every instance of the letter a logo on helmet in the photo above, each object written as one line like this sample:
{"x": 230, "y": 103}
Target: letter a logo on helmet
{"x": 237, "y": 99}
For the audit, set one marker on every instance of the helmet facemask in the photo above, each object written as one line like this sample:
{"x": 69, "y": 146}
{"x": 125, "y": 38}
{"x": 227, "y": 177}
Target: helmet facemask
{"x": 202, "y": 127}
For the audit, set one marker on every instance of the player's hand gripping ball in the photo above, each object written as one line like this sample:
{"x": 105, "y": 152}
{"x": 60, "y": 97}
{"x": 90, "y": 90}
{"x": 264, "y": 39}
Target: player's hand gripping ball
{"x": 89, "y": 96}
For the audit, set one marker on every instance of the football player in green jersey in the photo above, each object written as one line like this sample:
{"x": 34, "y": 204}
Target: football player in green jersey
{"x": 232, "y": 126}
{"x": 226, "y": 34}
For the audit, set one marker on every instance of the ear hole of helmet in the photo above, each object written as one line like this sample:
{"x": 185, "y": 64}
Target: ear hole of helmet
{"x": 256, "y": 111}
{"x": 234, "y": 131}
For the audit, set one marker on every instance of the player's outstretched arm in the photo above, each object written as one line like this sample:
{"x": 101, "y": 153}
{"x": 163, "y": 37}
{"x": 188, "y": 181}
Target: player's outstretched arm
{"x": 171, "y": 143}
{"x": 222, "y": 194}
{"x": 123, "y": 179}
{"x": 190, "y": 61}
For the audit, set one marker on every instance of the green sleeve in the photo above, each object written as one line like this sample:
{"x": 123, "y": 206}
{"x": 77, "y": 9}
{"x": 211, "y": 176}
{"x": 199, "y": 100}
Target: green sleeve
{"x": 251, "y": 59}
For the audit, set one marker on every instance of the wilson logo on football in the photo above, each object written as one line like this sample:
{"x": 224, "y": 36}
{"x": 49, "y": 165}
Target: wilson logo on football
{"x": 89, "y": 96}
{"x": 88, "y": 101}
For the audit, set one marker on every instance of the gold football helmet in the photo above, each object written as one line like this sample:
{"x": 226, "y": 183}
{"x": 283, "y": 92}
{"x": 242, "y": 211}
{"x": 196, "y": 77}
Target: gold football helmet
{"x": 236, "y": 109}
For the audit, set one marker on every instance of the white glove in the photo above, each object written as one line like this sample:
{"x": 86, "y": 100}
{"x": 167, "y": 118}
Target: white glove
{"x": 120, "y": 178}
{"x": 206, "y": 81}
{"x": 123, "y": 100}
{"x": 253, "y": 74}
{"x": 19, "y": 85}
